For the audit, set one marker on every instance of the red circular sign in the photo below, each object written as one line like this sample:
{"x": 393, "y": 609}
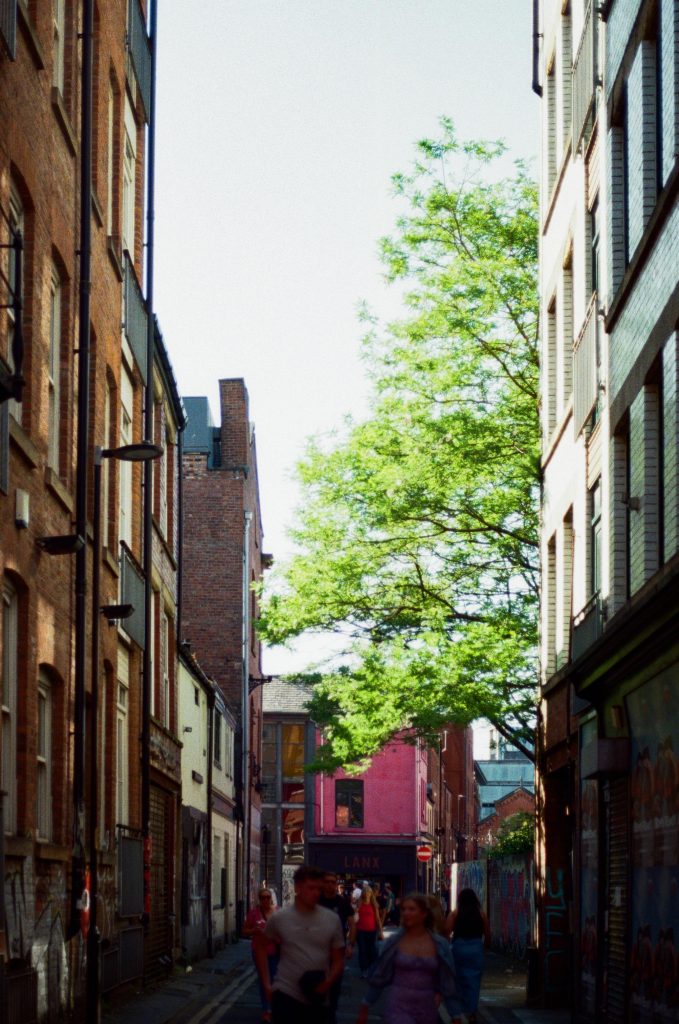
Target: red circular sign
{"x": 424, "y": 853}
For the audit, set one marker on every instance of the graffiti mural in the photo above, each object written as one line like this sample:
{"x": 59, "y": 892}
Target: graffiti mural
{"x": 470, "y": 874}
{"x": 510, "y": 903}
{"x": 654, "y": 958}
{"x": 556, "y": 929}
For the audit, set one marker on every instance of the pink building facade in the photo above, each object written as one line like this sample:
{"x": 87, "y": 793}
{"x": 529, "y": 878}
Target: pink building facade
{"x": 368, "y": 826}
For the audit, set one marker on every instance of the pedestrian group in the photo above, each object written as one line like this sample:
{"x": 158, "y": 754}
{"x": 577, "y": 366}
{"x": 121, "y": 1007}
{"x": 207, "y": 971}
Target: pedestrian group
{"x": 430, "y": 960}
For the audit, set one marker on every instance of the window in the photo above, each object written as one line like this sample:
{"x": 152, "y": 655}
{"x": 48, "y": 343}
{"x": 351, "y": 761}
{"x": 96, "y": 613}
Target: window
{"x": 595, "y": 244}
{"x": 162, "y": 469}
{"x": 16, "y": 224}
{"x": 565, "y": 382}
{"x": 122, "y": 737}
{"x": 292, "y": 753}
{"x": 595, "y": 539}
{"x": 10, "y": 648}
{"x": 59, "y": 35}
{"x": 125, "y": 468}
{"x": 165, "y": 667}
{"x": 550, "y": 128}
{"x": 550, "y": 368}
{"x": 268, "y": 777}
{"x": 196, "y": 696}
{"x": 229, "y": 751}
{"x": 54, "y": 373}
{"x": 103, "y": 767}
{"x": 110, "y": 159}
{"x": 349, "y": 803}
{"x": 44, "y": 760}
{"x": 218, "y": 739}
{"x": 153, "y": 661}
{"x": 106, "y": 470}
{"x": 129, "y": 180}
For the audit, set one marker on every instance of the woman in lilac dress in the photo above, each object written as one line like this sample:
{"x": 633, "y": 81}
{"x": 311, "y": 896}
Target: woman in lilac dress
{"x": 416, "y": 966}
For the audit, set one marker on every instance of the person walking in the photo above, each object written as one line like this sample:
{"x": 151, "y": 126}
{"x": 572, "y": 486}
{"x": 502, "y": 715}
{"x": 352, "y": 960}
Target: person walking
{"x": 339, "y": 904}
{"x": 311, "y": 945}
{"x": 470, "y": 931}
{"x": 368, "y": 928}
{"x": 255, "y": 921}
{"x": 416, "y": 966}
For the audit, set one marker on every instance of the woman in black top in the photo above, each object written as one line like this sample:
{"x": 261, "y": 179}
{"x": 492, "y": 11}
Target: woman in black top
{"x": 470, "y": 931}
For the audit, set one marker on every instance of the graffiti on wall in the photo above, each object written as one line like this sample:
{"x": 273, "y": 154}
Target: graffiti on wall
{"x": 35, "y": 928}
{"x": 654, "y": 958}
{"x": 510, "y": 903}
{"x": 556, "y": 930}
{"x": 470, "y": 874}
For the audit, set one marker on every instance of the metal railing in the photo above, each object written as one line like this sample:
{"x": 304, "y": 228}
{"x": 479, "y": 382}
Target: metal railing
{"x": 139, "y": 47}
{"x": 588, "y": 626}
{"x": 135, "y": 318}
{"x": 586, "y": 368}
{"x": 584, "y": 77}
{"x": 8, "y": 26}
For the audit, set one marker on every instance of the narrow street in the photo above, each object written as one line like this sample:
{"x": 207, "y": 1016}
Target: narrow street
{"x": 224, "y": 991}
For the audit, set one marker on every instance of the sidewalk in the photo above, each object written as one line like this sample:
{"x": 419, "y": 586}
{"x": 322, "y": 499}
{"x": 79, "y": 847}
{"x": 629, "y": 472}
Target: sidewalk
{"x": 184, "y": 988}
{"x": 503, "y": 996}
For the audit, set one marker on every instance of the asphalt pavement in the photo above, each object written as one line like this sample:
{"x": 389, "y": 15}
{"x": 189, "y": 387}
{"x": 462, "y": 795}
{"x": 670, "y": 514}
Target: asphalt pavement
{"x": 223, "y": 990}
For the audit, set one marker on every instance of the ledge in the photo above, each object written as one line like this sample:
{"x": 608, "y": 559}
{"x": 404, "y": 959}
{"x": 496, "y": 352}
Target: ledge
{"x": 50, "y": 851}
{"x": 18, "y": 846}
{"x": 114, "y": 257}
{"x": 32, "y": 41}
{"x": 97, "y": 210}
{"x": 23, "y": 442}
{"x": 111, "y": 562}
{"x": 58, "y": 489}
{"x": 64, "y": 120}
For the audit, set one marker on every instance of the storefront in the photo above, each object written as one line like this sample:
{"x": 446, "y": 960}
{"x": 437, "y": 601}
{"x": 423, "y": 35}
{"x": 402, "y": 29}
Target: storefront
{"x": 391, "y": 862}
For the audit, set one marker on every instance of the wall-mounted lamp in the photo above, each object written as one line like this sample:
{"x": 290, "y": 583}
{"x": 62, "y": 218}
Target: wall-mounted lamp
{"x": 65, "y": 544}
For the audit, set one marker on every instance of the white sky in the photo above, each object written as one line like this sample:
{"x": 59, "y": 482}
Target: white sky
{"x": 280, "y": 123}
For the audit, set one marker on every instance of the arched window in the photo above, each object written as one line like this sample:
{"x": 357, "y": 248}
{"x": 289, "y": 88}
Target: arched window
{"x": 54, "y": 373}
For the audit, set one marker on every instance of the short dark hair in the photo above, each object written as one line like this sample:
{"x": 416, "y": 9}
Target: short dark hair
{"x": 307, "y": 872}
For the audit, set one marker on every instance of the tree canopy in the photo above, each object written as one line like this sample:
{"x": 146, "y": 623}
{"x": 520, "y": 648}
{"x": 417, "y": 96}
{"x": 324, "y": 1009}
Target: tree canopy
{"x": 416, "y": 539}
{"x": 516, "y": 834}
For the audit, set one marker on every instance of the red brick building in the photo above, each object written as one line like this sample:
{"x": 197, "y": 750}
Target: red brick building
{"x": 86, "y": 386}
{"x": 222, "y": 559}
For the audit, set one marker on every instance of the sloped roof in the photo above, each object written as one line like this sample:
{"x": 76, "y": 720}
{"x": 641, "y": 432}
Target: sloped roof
{"x": 285, "y": 698}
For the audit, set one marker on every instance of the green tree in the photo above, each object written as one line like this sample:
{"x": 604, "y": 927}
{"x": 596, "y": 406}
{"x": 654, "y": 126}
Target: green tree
{"x": 516, "y": 834}
{"x": 417, "y": 536}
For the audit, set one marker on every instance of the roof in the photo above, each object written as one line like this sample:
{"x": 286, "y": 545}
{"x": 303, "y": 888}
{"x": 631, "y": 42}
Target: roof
{"x": 505, "y": 773}
{"x": 280, "y": 696}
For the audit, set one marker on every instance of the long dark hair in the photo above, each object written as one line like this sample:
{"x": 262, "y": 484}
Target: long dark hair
{"x": 468, "y": 910}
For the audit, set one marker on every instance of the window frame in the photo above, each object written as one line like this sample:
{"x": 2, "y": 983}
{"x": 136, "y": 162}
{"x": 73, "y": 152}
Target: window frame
{"x": 59, "y": 45}
{"x": 354, "y": 788}
{"x": 43, "y": 754}
{"x": 54, "y": 373}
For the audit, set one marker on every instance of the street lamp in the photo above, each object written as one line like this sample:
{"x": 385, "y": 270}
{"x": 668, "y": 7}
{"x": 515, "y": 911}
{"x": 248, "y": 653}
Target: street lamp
{"x": 142, "y": 451}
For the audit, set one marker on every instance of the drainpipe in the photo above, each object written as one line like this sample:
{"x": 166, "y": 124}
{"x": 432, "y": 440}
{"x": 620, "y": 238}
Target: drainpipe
{"x": 147, "y": 551}
{"x": 208, "y": 867}
{"x": 82, "y": 468}
{"x": 536, "y": 87}
{"x": 245, "y": 711}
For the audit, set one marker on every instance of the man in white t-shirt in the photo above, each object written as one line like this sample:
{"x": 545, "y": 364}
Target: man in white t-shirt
{"x": 311, "y": 945}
